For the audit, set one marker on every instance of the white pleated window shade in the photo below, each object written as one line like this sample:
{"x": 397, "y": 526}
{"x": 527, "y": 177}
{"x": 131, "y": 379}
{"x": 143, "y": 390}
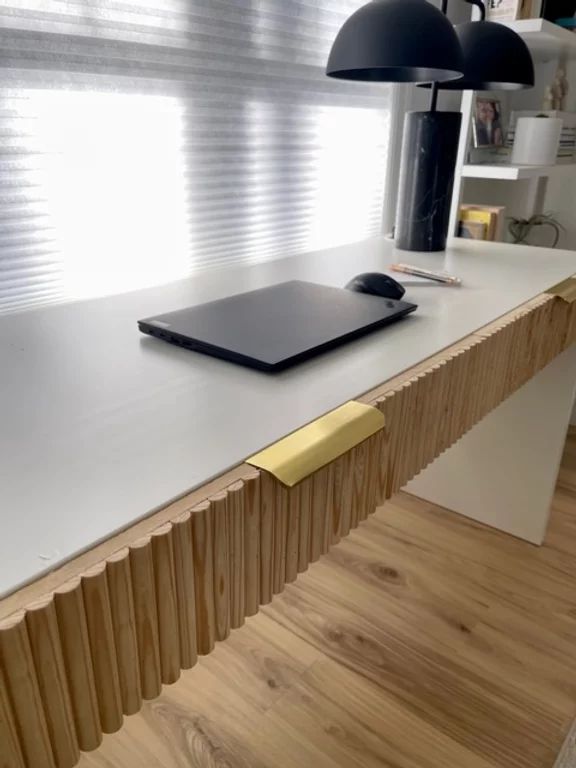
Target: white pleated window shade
{"x": 144, "y": 139}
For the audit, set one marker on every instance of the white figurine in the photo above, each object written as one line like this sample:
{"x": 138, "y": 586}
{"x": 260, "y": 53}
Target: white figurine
{"x": 560, "y": 88}
{"x": 565, "y": 88}
{"x": 548, "y": 103}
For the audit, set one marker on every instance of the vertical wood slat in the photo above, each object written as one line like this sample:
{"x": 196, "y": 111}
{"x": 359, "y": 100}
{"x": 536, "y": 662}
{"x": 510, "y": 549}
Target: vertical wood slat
{"x": 46, "y": 647}
{"x": 459, "y": 388}
{"x": 441, "y": 374}
{"x": 396, "y": 419}
{"x": 11, "y": 754}
{"x": 345, "y": 494}
{"x": 146, "y": 617}
{"x": 412, "y": 434}
{"x": 252, "y": 543}
{"x": 336, "y": 513}
{"x": 357, "y": 462}
{"x": 319, "y": 491}
{"x": 267, "y": 514}
{"x": 476, "y": 378}
{"x": 381, "y": 460}
{"x": 185, "y": 593}
{"x": 279, "y": 537}
{"x": 237, "y": 567}
{"x": 292, "y": 539}
{"x": 167, "y": 604}
{"x": 103, "y": 648}
{"x": 24, "y": 692}
{"x": 124, "y": 625}
{"x": 328, "y": 507}
{"x": 221, "y": 560}
{"x": 73, "y": 632}
{"x": 373, "y": 464}
{"x": 389, "y": 405}
{"x": 204, "y": 577}
{"x": 418, "y": 404}
{"x": 304, "y": 524}
{"x": 427, "y": 396}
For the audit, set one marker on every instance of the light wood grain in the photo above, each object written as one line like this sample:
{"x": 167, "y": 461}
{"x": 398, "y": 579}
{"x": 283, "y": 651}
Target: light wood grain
{"x": 185, "y": 594}
{"x": 304, "y": 523}
{"x": 293, "y": 512}
{"x": 252, "y": 552}
{"x": 236, "y": 540}
{"x": 167, "y": 602}
{"x": 221, "y": 560}
{"x": 204, "y": 577}
{"x": 77, "y": 656}
{"x": 10, "y": 754}
{"x": 102, "y": 647}
{"x": 338, "y": 500}
{"x": 124, "y": 624}
{"x": 42, "y": 626}
{"x": 146, "y": 617}
{"x": 424, "y": 640}
{"x": 267, "y": 513}
{"x": 345, "y": 492}
{"x": 281, "y": 497}
{"x": 23, "y": 690}
{"x": 318, "y": 510}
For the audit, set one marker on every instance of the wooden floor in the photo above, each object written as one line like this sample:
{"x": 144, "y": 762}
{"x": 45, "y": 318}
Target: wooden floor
{"x": 423, "y": 641}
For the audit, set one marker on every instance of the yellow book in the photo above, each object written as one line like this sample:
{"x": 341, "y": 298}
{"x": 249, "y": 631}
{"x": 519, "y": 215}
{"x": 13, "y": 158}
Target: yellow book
{"x": 482, "y": 217}
{"x": 472, "y": 230}
{"x": 498, "y": 222}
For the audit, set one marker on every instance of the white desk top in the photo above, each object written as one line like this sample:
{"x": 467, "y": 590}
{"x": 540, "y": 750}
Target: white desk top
{"x": 100, "y": 425}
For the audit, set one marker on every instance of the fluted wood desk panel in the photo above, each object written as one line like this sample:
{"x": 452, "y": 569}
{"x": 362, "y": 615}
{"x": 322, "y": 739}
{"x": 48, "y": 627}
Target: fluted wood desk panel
{"x": 81, "y": 648}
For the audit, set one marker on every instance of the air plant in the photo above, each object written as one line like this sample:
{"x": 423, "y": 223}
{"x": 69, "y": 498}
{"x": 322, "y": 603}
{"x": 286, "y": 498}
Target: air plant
{"x": 520, "y": 228}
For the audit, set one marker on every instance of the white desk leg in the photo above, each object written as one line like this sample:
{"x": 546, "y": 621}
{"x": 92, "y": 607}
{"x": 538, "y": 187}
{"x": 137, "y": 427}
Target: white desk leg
{"x": 504, "y": 471}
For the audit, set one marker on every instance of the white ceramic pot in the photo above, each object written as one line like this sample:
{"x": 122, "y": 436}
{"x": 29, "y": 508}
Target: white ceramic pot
{"x": 536, "y": 141}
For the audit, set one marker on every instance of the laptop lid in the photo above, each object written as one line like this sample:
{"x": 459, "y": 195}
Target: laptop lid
{"x": 278, "y": 326}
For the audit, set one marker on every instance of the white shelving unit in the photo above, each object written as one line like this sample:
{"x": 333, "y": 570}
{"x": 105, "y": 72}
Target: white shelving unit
{"x": 548, "y": 44}
{"x": 544, "y": 38}
{"x": 509, "y": 172}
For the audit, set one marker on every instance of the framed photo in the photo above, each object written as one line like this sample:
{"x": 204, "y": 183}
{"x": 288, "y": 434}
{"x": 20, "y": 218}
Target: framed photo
{"x": 508, "y": 10}
{"x": 487, "y": 123}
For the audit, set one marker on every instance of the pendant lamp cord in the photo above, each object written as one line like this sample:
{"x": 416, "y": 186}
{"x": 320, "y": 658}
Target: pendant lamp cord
{"x": 435, "y": 89}
{"x": 479, "y": 4}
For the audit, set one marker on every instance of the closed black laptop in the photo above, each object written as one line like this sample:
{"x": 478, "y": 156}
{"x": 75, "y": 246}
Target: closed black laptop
{"x": 276, "y": 327}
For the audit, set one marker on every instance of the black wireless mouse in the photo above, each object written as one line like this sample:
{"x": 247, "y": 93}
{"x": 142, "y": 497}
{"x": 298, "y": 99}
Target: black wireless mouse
{"x": 377, "y": 284}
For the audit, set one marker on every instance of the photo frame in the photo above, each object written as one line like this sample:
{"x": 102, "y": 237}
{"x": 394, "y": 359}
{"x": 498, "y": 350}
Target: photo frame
{"x": 487, "y": 128}
{"x": 511, "y": 10}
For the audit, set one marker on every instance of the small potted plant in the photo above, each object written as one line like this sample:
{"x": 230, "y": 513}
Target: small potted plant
{"x": 521, "y": 229}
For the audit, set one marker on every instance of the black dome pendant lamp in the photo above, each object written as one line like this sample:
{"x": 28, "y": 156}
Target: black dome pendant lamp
{"x": 495, "y": 57}
{"x": 384, "y": 41}
{"x": 397, "y": 41}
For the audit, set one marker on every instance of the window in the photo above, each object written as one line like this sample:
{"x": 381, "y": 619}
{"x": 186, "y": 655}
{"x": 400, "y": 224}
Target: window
{"x": 143, "y": 139}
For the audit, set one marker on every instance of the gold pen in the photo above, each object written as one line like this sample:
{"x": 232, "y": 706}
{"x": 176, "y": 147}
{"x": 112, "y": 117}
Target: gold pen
{"x": 439, "y": 277}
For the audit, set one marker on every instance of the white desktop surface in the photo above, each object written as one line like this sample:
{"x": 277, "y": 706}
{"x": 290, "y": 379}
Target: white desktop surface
{"x": 101, "y": 425}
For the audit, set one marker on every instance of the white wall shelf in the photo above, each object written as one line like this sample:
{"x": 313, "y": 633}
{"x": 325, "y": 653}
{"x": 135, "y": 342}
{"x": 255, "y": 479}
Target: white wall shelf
{"x": 544, "y": 38}
{"x": 508, "y": 172}
{"x": 550, "y": 45}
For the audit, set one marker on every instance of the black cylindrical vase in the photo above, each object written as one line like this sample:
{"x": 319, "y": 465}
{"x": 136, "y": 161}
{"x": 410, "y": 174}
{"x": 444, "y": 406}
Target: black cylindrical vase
{"x": 429, "y": 151}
